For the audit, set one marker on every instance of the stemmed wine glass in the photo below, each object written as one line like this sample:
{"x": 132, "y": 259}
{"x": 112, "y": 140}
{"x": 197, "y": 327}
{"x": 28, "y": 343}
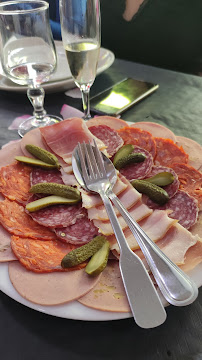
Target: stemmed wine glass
{"x": 28, "y": 54}
{"x": 80, "y": 26}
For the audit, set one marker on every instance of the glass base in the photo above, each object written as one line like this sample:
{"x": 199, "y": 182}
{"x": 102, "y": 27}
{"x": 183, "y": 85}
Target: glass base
{"x": 32, "y": 123}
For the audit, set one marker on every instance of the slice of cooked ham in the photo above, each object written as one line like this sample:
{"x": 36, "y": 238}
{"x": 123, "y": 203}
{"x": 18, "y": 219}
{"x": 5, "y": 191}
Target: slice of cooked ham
{"x": 64, "y": 136}
{"x": 155, "y": 226}
{"x": 90, "y": 200}
{"x": 193, "y": 257}
{"x": 138, "y": 212}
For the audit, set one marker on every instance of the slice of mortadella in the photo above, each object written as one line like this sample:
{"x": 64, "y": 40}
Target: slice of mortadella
{"x": 109, "y": 293}
{"x": 52, "y": 288}
{"x": 9, "y": 151}
{"x": 6, "y": 254}
{"x": 193, "y": 149}
{"x": 110, "y": 121}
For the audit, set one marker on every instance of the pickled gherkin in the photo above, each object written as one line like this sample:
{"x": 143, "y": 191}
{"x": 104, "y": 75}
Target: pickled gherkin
{"x": 161, "y": 179}
{"x": 34, "y": 162}
{"x": 48, "y": 201}
{"x": 81, "y": 254}
{"x": 56, "y": 189}
{"x": 43, "y": 155}
{"x": 130, "y": 159}
{"x": 154, "y": 192}
{"x": 99, "y": 260}
{"x": 124, "y": 151}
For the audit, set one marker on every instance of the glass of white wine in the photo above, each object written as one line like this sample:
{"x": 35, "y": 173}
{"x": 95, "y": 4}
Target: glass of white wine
{"x": 28, "y": 54}
{"x": 81, "y": 34}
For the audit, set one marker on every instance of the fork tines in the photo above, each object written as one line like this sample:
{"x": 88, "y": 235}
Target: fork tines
{"x": 91, "y": 160}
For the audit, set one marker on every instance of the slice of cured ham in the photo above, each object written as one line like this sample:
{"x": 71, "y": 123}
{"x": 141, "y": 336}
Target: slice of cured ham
{"x": 155, "y": 226}
{"x": 52, "y": 288}
{"x": 64, "y": 136}
{"x": 109, "y": 293}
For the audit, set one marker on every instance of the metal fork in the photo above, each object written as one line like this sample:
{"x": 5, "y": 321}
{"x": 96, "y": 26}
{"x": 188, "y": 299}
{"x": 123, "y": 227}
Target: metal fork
{"x": 145, "y": 303}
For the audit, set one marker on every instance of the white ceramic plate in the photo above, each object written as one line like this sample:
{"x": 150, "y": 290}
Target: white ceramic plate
{"x": 75, "y": 310}
{"x": 61, "y": 80}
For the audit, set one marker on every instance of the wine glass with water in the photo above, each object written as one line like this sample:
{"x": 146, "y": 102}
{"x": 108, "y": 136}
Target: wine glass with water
{"x": 80, "y": 26}
{"x": 28, "y": 54}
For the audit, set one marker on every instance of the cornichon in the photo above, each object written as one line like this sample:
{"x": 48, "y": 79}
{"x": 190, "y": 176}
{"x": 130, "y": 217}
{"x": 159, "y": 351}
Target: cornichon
{"x": 81, "y": 254}
{"x": 125, "y": 150}
{"x": 56, "y": 189}
{"x": 154, "y": 192}
{"x": 161, "y": 179}
{"x": 47, "y": 201}
{"x": 34, "y": 162}
{"x": 99, "y": 260}
{"x": 130, "y": 159}
{"x": 42, "y": 155}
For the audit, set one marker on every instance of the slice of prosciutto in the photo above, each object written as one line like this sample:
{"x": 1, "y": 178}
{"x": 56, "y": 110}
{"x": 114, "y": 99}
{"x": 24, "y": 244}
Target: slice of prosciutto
{"x": 64, "y": 136}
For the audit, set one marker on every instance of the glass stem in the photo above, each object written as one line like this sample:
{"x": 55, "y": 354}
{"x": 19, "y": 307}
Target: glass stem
{"x": 86, "y": 103}
{"x": 36, "y": 97}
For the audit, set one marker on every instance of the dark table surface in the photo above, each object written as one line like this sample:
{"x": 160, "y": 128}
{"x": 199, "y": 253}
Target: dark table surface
{"x": 28, "y": 334}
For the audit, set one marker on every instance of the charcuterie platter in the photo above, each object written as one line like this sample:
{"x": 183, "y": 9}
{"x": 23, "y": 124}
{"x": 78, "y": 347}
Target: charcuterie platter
{"x": 35, "y": 242}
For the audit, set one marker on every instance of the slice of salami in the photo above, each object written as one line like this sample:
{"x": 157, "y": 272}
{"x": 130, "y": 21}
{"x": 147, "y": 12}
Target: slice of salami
{"x": 15, "y": 182}
{"x": 139, "y": 138}
{"x": 168, "y": 153}
{"x": 138, "y": 170}
{"x": 39, "y": 175}
{"x": 57, "y": 215}
{"x": 110, "y": 137}
{"x": 155, "y": 129}
{"x": 79, "y": 233}
{"x": 184, "y": 208}
{"x": 170, "y": 189}
{"x": 14, "y": 219}
{"x": 41, "y": 256}
{"x": 190, "y": 181}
